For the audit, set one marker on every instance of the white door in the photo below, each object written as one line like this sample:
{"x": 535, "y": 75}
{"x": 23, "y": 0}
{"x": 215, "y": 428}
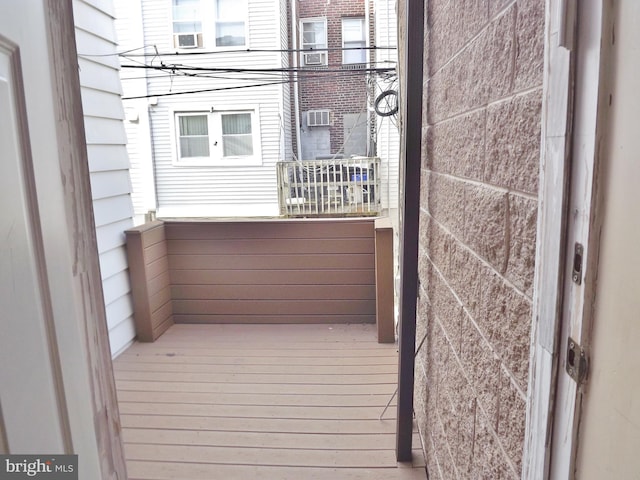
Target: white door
{"x": 609, "y": 439}
{"x": 50, "y": 372}
{"x": 30, "y": 374}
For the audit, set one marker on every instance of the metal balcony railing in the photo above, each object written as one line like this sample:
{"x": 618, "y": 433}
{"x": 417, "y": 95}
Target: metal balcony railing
{"x": 337, "y": 187}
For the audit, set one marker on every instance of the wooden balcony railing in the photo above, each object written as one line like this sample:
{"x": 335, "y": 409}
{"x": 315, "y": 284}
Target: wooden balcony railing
{"x": 336, "y": 187}
{"x": 263, "y": 271}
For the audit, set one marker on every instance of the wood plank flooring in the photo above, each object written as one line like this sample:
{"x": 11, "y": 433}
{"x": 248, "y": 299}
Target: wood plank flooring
{"x": 275, "y": 402}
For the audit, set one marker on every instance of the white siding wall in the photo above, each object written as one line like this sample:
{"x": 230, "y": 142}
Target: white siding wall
{"x": 212, "y": 190}
{"x": 108, "y": 161}
{"x": 130, "y": 35}
{"x": 388, "y": 138}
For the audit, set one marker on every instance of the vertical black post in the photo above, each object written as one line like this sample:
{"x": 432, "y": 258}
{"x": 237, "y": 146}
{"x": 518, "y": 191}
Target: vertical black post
{"x": 412, "y": 129}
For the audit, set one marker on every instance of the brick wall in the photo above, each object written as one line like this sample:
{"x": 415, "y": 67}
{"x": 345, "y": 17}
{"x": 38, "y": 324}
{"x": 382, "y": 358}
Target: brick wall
{"x": 344, "y": 92}
{"x": 477, "y": 233}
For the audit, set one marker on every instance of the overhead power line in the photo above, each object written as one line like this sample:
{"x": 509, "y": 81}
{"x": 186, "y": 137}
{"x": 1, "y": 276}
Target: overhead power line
{"x": 205, "y": 90}
{"x": 291, "y": 80}
{"x": 155, "y": 53}
{"x": 312, "y": 70}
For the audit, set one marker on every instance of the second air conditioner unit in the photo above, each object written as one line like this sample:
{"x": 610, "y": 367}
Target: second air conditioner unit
{"x": 187, "y": 40}
{"x": 318, "y": 118}
{"x": 315, "y": 58}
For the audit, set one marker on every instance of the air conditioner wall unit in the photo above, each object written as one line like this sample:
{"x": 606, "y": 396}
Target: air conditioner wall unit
{"x": 318, "y": 118}
{"x": 315, "y": 58}
{"x": 187, "y": 40}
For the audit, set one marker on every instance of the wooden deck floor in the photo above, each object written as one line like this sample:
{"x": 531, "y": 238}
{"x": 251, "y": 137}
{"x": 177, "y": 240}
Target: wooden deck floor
{"x": 274, "y": 402}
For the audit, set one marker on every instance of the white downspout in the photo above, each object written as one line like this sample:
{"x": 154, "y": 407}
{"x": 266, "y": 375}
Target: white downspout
{"x": 367, "y": 43}
{"x": 295, "y": 56}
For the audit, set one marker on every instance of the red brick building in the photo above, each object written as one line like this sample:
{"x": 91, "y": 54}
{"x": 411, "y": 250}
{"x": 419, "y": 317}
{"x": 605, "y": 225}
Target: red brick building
{"x": 332, "y": 115}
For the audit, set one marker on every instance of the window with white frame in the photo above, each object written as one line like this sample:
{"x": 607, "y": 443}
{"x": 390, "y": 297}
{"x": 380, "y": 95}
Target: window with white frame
{"x": 353, "y": 40}
{"x": 237, "y": 136}
{"x": 222, "y": 137}
{"x": 209, "y": 23}
{"x": 193, "y": 135}
{"x": 314, "y": 37}
{"x": 230, "y": 23}
{"x": 187, "y": 24}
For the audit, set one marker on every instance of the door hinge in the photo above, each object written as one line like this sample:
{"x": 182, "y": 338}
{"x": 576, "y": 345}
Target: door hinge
{"x": 578, "y": 253}
{"x": 576, "y": 362}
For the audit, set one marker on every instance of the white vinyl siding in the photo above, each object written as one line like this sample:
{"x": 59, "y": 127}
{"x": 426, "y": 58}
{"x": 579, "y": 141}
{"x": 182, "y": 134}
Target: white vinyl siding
{"x": 387, "y": 138}
{"x": 130, "y": 35}
{"x": 226, "y": 187}
{"x": 108, "y": 161}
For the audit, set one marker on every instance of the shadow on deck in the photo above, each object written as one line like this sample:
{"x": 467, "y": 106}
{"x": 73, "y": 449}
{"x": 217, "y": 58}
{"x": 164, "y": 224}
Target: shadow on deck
{"x": 280, "y": 402}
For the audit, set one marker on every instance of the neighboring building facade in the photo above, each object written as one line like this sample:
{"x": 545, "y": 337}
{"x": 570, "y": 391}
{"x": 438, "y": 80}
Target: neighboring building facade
{"x": 333, "y": 115}
{"x": 314, "y": 113}
{"x": 336, "y": 88}
{"x": 212, "y": 153}
{"x": 108, "y": 160}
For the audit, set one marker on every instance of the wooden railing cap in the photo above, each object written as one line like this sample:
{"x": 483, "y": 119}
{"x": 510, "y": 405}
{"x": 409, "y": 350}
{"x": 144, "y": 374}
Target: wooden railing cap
{"x": 145, "y": 227}
{"x": 383, "y": 223}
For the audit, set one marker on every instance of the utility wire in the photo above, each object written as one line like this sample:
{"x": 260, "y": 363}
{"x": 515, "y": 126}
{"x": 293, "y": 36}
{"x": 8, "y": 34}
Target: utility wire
{"x": 219, "y": 52}
{"x": 299, "y": 78}
{"x": 176, "y": 67}
{"x": 258, "y": 76}
{"x": 204, "y": 90}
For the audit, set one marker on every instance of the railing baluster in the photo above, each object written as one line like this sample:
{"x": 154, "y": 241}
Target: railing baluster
{"x": 300, "y": 188}
{"x": 329, "y": 187}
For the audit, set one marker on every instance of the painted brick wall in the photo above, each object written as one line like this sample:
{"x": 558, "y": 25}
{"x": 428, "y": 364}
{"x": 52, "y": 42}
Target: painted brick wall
{"x": 477, "y": 233}
{"x": 344, "y": 92}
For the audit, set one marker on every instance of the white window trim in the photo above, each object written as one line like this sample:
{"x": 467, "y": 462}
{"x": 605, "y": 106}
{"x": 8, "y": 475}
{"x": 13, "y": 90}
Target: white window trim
{"x": 208, "y": 14}
{"x": 172, "y": 36}
{"x": 364, "y": 39}
{"x": 212, "y": 160}
{"x": 326, "y": 39}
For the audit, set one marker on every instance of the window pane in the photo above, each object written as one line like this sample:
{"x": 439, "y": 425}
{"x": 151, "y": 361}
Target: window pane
{"x": 354, "y": 56}
{"x": 194, "y": 136}
{"x": 230, "y": 24}
{"x": 309, "y": 37}
{"x": 236, "y": 123}
{"x": 237, "y": 139}
{"x": 352, "y": 29}
{"x": 313, "y": 35}
{"x": 229, "y": 34}
{"x": 237, "y": 145}
{"x": 194, "y": 147}
{"x": 187, "y": 27}
{"x": 229, "y": 9}
{"x": 353, "y": 36}
{"x": 186, "y": 16}
{"x": 189, "y": 13}
{"x": 193, "y": 125}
